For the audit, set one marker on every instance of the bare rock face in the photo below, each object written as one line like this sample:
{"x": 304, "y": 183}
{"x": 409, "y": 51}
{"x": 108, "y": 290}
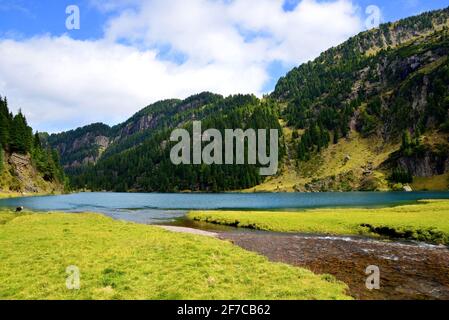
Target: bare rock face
{"x": 102, "y": 142}
{"x": 144, "y": 123}
{"x": 427, "y": 165}
{"x": 24, "y": 171}
{"x": 89, "y": 139}
{"x": 20, "y": 161}
{"x": 22, "y": 176}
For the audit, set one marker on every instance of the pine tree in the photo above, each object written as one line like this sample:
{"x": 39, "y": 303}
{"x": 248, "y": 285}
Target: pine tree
{"x": 4, "y": 123}
{"x": 20, "y": 134}
{"x": 336, "y": 135}
{"x": 4, "y": 129}
{"x": 401, "y": 175}
{"x": 407, "y": 147}
{"x": 1, "y": 159}
{"x": 406, "y": 139}
{"x": 37, "y": 141}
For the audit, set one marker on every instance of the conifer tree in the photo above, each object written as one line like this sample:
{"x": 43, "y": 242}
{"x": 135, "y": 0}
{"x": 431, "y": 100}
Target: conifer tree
{"x": 4, "y": 122}
{"x": 1, "y": 159}
{"x": 407, "y": 143}
{"x": 37, "y": 141}
{"x": 21, "y": 134}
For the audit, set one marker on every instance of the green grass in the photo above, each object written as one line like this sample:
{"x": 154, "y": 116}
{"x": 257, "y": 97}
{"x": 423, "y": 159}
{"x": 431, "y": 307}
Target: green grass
{"x": 5, "y": 195}
{"x": 331, "y": 162}
{"x": 426, "y": 221}
{"x": 435, "y": 183}
{"x": 6, "y": 216}
{"x": 120, "y": 260}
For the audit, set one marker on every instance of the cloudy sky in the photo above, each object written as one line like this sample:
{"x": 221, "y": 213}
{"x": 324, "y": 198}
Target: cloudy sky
{"x": 130, "y": 53}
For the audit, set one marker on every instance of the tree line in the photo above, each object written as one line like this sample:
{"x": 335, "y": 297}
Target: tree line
{"x": 148, "y": 168}
{"x": 16, "y": 136}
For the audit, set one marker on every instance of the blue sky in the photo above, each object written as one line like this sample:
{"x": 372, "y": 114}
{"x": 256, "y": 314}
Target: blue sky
{"x": 129, "y": 53}
{"x": 27, "y": 18}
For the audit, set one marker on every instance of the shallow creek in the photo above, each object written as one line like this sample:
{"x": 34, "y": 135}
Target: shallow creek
{"x": 407, "y": 270}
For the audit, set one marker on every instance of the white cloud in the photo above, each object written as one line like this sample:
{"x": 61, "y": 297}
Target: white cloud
{"x": 212, "y": 30}
{"x": 60, "y": 82}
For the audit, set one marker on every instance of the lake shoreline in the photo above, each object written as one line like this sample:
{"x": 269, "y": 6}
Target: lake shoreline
{"x": 11, "y": 195}
{"x": 113, "y": 202}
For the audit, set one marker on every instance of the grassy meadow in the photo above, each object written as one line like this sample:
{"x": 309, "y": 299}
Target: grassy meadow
{"x": 5, "y": 195}
{"x": 120, "y": 260}
{"x": 426, "y": 221}
{"x": 11, "y": 194}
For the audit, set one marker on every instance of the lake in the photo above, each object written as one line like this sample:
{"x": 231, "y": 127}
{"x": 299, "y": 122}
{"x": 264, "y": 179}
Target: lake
{"x": 164, "y": 208}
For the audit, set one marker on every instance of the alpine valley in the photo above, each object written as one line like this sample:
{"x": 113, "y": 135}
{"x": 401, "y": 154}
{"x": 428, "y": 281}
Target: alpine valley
{"x": 370, "y": 114}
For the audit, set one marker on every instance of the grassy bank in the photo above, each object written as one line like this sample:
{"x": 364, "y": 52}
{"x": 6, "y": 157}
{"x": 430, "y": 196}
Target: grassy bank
{"x": 120, "y": 260}
{"x": 426, "y": 221}
{"x": 435, "y": 183}
{"x": 5, "y": 195}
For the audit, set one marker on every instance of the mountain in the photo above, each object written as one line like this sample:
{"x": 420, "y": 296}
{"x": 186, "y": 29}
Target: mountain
{"x": 135, "y": 155}
{"x": 85, "y": 145}
{"x": 383, "y": 86}
{"x": 25, "y": 165}
{"x": 369, "y": 114}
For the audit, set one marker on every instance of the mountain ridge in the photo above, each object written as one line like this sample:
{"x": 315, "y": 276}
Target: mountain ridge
{"x": 381, "y": 84}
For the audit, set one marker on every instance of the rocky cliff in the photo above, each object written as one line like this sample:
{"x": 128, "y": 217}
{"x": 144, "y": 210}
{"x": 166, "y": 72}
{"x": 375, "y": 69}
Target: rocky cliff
{"x": 20, "y": 175}
{"x": 85, "y": 146}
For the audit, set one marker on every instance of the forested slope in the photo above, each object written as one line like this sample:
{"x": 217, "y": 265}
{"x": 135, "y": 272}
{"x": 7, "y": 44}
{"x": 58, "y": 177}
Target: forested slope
{"x": 388, "y": 86}
{"x": 137, "y": 155}
{"x": 369, "y": 114}
{"x": 25, "y": 165}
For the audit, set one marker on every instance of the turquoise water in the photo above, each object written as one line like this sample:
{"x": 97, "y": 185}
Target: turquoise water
{"x": 156, "y": 207}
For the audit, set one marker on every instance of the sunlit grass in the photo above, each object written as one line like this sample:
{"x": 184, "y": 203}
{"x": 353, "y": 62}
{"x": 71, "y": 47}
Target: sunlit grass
{"x": 435, "y": 183}
{"x": 331, "y": 162}
{"x": 5, "y": 195}
{"x": 425, "y": 221}
{"x": 120, "y": 260}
